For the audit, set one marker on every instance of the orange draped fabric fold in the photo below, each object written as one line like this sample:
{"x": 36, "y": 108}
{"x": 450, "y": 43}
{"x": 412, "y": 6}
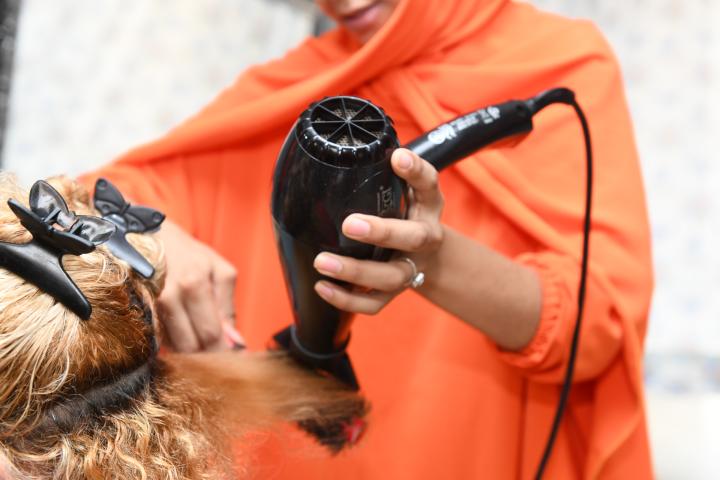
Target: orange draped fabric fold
{"x": 447, "y": 402}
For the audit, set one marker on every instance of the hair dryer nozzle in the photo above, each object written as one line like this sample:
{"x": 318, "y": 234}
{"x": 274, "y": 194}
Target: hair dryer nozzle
{"x": 337, "y": 364}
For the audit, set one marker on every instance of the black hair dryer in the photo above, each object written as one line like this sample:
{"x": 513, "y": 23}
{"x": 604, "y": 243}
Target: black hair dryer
{"x": 335, "y": 162}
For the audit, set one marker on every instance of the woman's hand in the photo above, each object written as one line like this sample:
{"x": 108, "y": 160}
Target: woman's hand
{"x": 197, "y": 304}
{"x": 418, "y": 238}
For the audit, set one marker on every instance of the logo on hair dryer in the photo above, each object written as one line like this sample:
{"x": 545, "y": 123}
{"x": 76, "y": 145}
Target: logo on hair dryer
{"x": 385, "y": 200}
{"x": 451, "y": 130}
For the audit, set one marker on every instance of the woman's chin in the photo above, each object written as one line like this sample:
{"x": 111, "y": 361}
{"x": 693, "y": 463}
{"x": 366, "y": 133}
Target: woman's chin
{"x": 366, "y": 23}
{"x": 361, "y": 37}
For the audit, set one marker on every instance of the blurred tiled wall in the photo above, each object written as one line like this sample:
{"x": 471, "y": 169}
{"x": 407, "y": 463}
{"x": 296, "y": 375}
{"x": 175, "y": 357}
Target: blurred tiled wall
{"x": 96, "y": 77}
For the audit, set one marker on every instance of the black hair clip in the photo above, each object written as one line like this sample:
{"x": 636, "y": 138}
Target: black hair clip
{"x": 40, "y": 261}
{"x": 128, "y": 219}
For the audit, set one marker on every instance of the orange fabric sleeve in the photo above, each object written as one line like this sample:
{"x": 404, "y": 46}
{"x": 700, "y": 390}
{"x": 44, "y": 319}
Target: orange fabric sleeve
{"x": 619, "y": 275}
{"x": 544, "y": 359}
{"x": 539, "y": 184}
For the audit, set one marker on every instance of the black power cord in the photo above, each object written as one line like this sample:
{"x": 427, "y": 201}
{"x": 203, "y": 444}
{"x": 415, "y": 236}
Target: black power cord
{"x": 563, "y": 95}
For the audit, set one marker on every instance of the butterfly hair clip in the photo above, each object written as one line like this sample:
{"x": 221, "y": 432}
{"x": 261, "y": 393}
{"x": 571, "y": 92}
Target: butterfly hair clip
{"x": 56, "y": 232}
{"x": 128, "y": 219}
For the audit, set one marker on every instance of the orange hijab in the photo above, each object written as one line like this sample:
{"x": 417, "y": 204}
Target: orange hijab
{"x": 448, "y": 404}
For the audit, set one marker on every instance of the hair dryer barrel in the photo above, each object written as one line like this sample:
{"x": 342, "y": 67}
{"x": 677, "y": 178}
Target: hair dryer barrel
{"x": 335, "y": 161}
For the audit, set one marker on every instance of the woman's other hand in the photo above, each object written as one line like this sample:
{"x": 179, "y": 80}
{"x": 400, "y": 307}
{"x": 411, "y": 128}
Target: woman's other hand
{"x": 196, "y": 305}
{"x": 417, "y": 238}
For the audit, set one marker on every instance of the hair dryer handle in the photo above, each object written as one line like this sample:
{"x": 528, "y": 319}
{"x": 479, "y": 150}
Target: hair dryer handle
{"x": 458, "y": 138}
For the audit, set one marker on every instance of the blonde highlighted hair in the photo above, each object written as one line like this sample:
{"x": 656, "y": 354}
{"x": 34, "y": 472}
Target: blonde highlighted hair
{"x": 92, "y": 400}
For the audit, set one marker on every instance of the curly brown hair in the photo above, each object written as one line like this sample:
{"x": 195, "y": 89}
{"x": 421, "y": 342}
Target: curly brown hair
{"x": 93, "y": 400}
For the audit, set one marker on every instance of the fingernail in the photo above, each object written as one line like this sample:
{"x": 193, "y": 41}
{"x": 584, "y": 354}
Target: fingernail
{"x": 323, "y": 290}
{"x": 405, "y": 161}
{"x": 357, "y": 227}
{"x": 233, "y": 337}
{"x": 328, "y": 264}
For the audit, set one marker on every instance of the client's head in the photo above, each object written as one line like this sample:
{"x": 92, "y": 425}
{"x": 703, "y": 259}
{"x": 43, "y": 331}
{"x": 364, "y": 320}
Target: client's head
{"x": 62, "y": 376}
{"x": 90, "y": 399}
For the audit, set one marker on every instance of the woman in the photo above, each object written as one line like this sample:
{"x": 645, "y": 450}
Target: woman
{"x": 464, "y": 374}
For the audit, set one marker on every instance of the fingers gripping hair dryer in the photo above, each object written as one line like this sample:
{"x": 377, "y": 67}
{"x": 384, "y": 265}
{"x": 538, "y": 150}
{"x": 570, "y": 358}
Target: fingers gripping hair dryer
{"x": 336, "y": 161}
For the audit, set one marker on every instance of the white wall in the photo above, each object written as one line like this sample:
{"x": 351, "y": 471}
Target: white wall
{"x": 96, "y": 77}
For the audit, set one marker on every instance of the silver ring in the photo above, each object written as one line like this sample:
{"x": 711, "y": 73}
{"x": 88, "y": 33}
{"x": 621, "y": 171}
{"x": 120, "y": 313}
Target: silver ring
{"x": 417, "y": 278}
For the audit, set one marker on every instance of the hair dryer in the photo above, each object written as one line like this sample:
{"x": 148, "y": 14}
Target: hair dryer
{"x": 336, "y": 161}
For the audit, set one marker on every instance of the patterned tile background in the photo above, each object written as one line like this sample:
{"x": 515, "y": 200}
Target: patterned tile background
{"x": 93, "y": 77}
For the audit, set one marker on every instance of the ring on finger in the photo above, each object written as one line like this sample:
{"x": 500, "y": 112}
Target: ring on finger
{"x": 416, "y": 278}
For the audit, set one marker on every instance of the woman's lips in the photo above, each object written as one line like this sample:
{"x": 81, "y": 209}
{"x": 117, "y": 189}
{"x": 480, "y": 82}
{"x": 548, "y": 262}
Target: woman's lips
{"x": 362, "y": 19}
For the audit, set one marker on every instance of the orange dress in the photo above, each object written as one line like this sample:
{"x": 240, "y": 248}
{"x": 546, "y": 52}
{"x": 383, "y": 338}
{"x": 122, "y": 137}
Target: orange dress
{"x": 447, "y": 403}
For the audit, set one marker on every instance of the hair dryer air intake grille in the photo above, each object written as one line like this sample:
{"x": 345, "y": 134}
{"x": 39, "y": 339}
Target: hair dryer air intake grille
{"x": 347, "y": 122}
{"x": 346, "y": 132}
